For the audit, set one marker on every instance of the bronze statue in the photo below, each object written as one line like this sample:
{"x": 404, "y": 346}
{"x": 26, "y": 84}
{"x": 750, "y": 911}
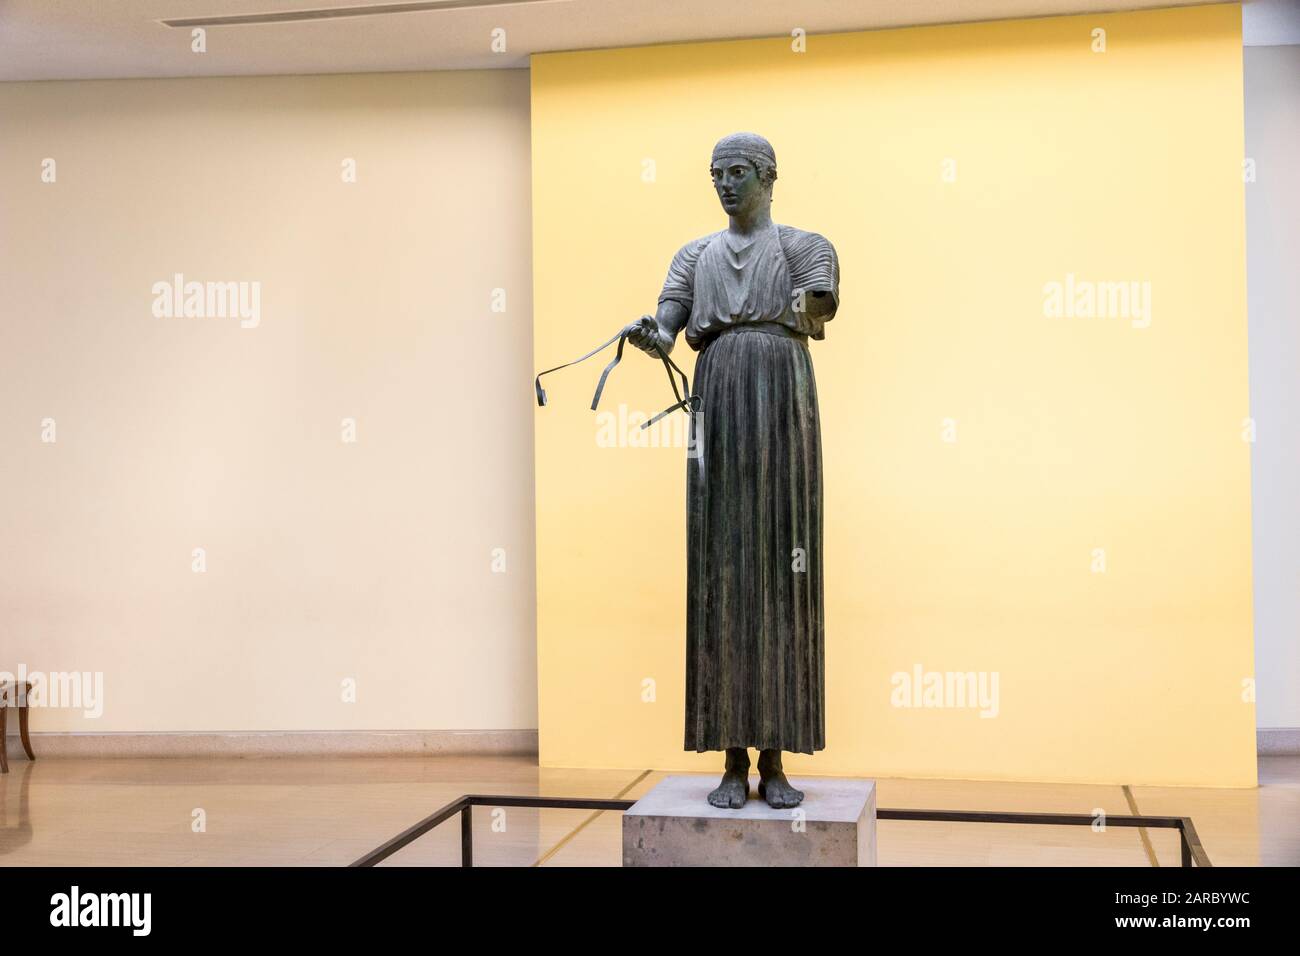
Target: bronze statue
{"x": 749, "y": 298}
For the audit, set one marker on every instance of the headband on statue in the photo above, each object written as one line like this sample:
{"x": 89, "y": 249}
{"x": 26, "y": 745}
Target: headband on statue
{"x": 748, "y": 146}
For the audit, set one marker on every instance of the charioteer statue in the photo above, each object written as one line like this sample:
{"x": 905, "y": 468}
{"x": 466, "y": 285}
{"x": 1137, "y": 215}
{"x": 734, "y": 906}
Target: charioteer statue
{"x": 749, "y": 298}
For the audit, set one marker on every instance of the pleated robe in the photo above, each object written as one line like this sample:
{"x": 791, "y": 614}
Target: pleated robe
{"x": 755, "y": 642}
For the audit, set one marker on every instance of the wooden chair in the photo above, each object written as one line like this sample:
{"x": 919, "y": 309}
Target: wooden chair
{"x": 10, "y": 695}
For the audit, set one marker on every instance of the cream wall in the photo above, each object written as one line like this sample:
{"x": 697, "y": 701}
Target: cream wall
{"x": 326, "y": 561}
{"x": 1084, "y": 536}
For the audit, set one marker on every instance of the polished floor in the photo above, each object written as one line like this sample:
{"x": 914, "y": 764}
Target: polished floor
{"x": 329, "y": 811}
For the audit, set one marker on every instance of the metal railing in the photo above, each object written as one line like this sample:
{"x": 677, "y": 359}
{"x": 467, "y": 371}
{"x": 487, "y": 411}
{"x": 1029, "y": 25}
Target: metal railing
{"x": 1192, "y": 851}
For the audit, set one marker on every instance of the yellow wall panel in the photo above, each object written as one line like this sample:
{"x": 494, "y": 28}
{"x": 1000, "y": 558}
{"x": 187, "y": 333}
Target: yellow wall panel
{"x": 1120, "y": 432}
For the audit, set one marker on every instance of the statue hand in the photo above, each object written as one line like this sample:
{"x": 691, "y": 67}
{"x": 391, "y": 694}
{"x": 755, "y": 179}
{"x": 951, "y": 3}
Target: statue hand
{"x": 644, "y": 334}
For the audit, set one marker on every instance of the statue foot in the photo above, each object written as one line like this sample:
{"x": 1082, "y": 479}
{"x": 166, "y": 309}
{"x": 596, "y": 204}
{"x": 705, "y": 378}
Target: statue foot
{"x": 732, "y": 793}
{"x": 778, "y": 792}
{"x": 772, "y": 784}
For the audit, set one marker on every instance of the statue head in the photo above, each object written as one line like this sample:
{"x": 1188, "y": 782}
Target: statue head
{"x": 743, "y": 170}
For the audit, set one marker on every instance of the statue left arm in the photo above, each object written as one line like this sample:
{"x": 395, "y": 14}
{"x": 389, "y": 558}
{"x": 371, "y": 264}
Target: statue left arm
{"x": 814, "y": 270}
{"x": 821, "y": 304}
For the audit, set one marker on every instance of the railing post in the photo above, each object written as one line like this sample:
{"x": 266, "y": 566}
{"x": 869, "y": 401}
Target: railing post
{"x": 467, "y": 835}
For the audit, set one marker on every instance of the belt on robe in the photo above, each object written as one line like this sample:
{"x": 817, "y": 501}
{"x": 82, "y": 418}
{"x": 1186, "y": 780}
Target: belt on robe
{"x": 685, "y": 400}
{"x": 771, "y": 328}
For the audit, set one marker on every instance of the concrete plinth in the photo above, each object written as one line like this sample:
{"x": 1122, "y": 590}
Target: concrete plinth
{"x": 674, "y": 825}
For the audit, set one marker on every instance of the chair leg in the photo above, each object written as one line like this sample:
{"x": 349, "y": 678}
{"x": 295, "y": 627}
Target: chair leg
{"x": 22, "y": 731}
{"x": 4, "y": 759}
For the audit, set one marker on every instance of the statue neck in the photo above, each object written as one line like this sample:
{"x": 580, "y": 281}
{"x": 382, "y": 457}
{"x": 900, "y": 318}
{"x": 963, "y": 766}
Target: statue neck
{"x": 745, "y": 224}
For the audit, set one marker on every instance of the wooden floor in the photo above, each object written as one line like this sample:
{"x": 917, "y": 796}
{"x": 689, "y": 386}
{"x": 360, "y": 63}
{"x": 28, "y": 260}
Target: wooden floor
{"x": 329, "y": 811}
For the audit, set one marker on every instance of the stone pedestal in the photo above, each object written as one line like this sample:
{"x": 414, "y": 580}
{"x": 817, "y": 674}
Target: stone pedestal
{"x": 674, "y": 825}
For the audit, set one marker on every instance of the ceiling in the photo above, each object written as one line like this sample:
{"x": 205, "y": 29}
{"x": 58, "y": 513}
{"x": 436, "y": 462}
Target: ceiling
{"x": 89, "y": 39}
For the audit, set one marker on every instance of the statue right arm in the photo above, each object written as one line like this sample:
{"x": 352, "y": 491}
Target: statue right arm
{"x": 660, "y": 328}
{"x": 674, "y": 301}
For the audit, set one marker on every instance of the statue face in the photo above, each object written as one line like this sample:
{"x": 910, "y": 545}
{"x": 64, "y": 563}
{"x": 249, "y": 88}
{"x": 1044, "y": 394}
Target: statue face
{"x": 737, "y": 184}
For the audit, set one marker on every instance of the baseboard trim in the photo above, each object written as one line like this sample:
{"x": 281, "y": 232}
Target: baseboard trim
{"x": 1278, "y": 741}
{"x": 1270, "y": 742}
{"x": 309, "y": 743}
